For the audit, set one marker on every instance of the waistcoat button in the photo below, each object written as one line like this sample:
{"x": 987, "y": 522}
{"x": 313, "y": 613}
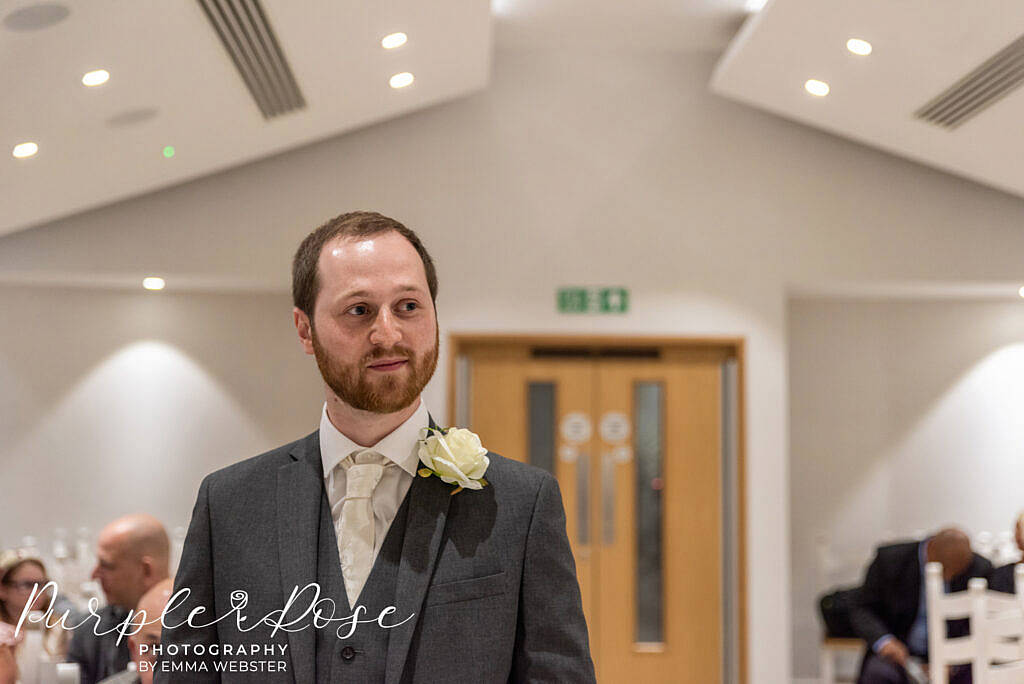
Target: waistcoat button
{"x": 348, "y": 653}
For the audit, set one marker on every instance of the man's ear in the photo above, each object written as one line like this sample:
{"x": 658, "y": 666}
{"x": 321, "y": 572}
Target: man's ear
{"x": 303, "y": 328}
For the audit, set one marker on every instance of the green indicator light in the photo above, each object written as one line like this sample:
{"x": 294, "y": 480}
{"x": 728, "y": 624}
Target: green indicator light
{"x": 169, "y": 151}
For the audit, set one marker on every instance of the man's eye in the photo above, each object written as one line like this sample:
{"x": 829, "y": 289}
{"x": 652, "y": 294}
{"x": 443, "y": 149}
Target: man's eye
{"x": 358, "y": 310}
{"x": 411, "y": 306}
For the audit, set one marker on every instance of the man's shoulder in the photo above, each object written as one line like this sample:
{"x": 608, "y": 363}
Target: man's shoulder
{"x": 896, "y": 555}
{"x": 262, "y": 465}
{"x": 1002, "y": 578}
{"x": 516, "y": 477}
{"x": 980, "y": 566}
{"x": 85, "y": 639}
{"x": 898, "y": 549}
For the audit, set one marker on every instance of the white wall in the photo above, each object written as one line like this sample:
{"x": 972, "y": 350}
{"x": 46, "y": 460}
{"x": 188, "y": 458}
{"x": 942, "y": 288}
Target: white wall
{"x": 904, "y": 417}
{"x": 117, "y": 401}
{"x": 575, "y": 167}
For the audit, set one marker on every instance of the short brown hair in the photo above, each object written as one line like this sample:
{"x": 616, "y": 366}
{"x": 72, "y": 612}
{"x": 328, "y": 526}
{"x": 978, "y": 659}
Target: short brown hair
{"x": 354, "y": 224}
{"x": 9, "y": 563}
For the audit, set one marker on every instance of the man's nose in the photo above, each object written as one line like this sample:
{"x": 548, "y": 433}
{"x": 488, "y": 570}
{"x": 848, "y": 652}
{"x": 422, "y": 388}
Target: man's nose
{"x": 95, "y": 572}
{"x": 385, "y": 332}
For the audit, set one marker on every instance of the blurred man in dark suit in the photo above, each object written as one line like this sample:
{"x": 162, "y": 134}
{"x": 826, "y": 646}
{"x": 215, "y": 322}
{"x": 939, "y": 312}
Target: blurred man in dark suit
{"x": 133, "y": 555}
{"x": 890, "y": 611}
{"x": 1001, "y": 578}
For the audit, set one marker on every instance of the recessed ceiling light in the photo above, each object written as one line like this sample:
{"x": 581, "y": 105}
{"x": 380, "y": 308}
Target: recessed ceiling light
{"x": 25, "y": 150}
{"x": 754, "y": 5}
{"x": 401, "y": 80}
{"x": 858, "y": 46}
{"x": 1021, "y": 292}
{"x": 816, "y": 87}
{"x": 95, "y": 78}
{"x": 153, "y": 283}
{"x": 169, "y": 151}
{"x": 391, "y": 41}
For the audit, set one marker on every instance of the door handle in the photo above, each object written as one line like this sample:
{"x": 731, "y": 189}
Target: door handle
{"x": 583, "y": 497}
{"x": 607, "y": 498}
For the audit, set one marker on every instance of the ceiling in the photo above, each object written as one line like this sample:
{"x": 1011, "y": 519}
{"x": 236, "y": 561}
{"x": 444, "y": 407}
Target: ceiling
{"x": 614, "y": 25}
{"x": 173, "y": 83}
{"x": 920, "y": 49}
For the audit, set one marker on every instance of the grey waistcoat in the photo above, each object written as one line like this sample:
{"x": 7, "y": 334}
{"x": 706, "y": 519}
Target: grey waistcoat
{"x": 360, "y": 657}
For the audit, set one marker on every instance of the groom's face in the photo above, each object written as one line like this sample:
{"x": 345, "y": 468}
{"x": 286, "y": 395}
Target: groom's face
{"x": 374, "y": 331}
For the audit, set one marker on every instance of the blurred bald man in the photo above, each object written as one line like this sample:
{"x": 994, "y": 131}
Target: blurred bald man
{"x": 133, "y": 555}
{"x": 890, "y": 612}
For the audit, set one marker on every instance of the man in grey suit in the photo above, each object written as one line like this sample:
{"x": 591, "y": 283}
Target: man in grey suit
{"x": 447, "y": 585}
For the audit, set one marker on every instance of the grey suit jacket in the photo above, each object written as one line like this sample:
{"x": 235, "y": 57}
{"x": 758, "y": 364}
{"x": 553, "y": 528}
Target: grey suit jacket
{"x": 100, "y": 656}
{"x": 487, "y": 575}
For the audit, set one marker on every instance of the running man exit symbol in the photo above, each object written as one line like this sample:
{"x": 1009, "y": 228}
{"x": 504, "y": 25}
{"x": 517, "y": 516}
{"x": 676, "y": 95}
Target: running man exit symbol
{"x": 614, "y": 300}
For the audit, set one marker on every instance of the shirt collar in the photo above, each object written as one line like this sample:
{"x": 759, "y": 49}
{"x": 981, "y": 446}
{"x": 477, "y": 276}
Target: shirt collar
{"x": 398, "y": 446}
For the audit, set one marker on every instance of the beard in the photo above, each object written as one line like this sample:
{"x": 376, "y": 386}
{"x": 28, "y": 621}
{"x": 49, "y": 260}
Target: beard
{"x": 355, "y": 384}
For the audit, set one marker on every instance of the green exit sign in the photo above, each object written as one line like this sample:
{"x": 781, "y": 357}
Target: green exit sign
{"x": 593, "y": 300}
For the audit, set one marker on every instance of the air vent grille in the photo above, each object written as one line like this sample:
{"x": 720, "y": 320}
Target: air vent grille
{"x": 249, "y": 39}
{"x": 979, "y": 89}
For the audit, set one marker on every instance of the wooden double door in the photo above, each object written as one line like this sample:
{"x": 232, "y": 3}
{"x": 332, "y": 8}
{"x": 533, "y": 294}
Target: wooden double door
{"x": 635, "y": 439}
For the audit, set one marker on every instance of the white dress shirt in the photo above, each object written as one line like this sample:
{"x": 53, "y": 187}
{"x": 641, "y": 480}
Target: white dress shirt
{"x": 399, "y": 447}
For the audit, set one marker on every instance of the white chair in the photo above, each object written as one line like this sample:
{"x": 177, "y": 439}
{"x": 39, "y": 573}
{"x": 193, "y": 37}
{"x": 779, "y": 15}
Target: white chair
{"x": 59, "y": 673}
{"x": 833, "y": 568}
{"x": 831, "y": 650}
{"x": 995, "y": 647}
{"x": 68, "y": 673}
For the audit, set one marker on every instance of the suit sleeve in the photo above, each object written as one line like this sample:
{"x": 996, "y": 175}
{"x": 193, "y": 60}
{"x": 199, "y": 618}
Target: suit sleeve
{"x": 195, "y": 572}
{"x": 864, "y": 616}
{"x": 1001, "y": 579}
{"x": 78, "y": 652}
{"x": 551, "y": 635}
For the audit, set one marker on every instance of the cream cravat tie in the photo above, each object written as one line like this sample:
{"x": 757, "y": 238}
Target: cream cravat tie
{"x": 363, "y": 471}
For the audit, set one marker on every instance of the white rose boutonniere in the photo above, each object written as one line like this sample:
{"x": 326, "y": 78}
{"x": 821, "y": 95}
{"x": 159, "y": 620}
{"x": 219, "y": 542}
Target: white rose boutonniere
{"x": 455, "y": 455}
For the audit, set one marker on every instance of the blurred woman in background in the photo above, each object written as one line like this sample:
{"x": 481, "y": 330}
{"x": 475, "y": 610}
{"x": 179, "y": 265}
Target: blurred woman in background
{"x": 20, "y": 656}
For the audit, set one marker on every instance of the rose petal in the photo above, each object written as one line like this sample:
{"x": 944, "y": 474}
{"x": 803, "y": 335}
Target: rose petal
{"x": 454, "y": 471}
{"x": 478, "y": 471}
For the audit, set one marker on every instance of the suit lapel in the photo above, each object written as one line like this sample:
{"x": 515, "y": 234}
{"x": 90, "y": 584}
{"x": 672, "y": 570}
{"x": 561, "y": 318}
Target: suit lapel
{"x": 299, "y": 490}
{"x": 429, "y": 499}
